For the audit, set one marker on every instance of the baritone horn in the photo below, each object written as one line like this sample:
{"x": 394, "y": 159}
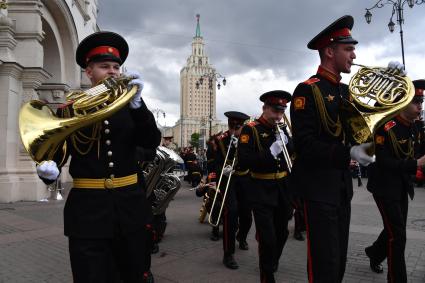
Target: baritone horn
{"x": 376, "y": 95}
{"x": 215, "y": 222}
{"x": 43, "y": 133}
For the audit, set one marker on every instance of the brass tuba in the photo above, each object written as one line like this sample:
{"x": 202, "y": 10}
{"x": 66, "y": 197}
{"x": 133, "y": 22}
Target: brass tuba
{"x": 42, "y": 132}
{"x": 376, "y": 95}
{"x": 160, "y": 178}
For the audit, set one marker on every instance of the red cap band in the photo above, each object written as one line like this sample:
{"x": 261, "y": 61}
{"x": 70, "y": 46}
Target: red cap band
{"x": 273, "y": 100}
{"x": 329, "y": 38}
{"x": 419, "y": 92}
{"x": 102, "y": 50}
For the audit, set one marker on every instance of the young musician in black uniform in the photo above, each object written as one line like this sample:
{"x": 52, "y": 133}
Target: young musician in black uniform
{"x": 235, "y": 206}
{"x": 390, "y": 182}
{"x": 260, "y": 150}
{"x": 319, "y": 138}
{"x": 104, "y": 215}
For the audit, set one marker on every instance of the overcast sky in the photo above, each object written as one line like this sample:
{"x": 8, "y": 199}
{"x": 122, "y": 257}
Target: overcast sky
{"x": 258, "y": 45}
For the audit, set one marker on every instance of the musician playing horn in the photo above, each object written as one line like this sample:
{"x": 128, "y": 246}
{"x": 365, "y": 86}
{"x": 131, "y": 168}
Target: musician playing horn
{"x": 390, "y": 182}
{"x": 104, "y": 215}
{"x": 319, "y": 135}
{"x": 261, "y": 151}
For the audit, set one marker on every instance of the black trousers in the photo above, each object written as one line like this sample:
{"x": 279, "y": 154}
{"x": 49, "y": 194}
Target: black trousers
{"x": 271, "y": 224}
{"x": 391, "y": 242}
{"x": 298, "y": 206}
{"x": 327, "y": 229}
{"x": 108, "y": 260}
{"x": 236, "y": 207}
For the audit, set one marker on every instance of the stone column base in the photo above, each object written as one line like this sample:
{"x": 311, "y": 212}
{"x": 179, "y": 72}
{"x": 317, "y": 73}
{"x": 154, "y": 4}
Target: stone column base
{"x": 21, "y": 186}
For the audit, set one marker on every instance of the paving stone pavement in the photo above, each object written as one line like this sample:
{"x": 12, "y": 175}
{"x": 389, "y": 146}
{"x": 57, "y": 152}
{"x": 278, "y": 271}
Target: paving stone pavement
{"x": 33, "y": 248}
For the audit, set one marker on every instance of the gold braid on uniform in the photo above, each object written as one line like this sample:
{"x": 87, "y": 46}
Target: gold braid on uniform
{"x": 257, "y": 139}
{"x": 79, "y": 138}
{"x": 330, "y": 126}
{"x": 398, "y": 150}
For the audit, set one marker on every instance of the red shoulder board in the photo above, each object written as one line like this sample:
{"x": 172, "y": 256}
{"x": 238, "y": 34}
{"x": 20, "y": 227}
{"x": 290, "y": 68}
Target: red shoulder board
{"x": 64, "y": 105}
{"x": 252, "y": 123}
{"x": 389, "y": 125}
{"x": 311, "y": 81}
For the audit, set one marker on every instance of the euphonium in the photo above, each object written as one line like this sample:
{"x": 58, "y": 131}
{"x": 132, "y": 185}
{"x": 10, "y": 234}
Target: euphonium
{"x": 376, "y": 95}
{"x": 42, "y": 132}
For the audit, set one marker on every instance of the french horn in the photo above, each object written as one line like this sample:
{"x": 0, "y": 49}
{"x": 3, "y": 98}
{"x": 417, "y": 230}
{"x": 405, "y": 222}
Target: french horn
{"x": 43, "y": 133}
{"x": 376, "y": 95}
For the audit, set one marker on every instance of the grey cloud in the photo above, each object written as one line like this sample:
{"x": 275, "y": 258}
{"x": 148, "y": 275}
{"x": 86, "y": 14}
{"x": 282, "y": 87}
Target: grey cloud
{"x": 243, "y": 35}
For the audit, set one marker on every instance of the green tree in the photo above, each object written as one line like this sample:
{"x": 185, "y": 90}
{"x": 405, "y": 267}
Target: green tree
{"x": 194, "y": 140}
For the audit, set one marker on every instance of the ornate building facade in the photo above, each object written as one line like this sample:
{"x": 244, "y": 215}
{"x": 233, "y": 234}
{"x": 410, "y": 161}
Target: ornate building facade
{"x": 38, "y": 39}
{"x": 197, "y": 103}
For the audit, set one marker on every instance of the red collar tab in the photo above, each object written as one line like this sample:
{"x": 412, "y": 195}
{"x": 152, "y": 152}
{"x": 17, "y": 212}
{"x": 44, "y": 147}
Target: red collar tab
{"x": 389, "y": 125}
{"x": 333, "y": 78}
{"x": 273, "y": 100}
{"x": 419, "y": 92}
{"x": 327, "y": 39}
{"x": 108, "y": 50}
{"x": 263, "y": 121}
{"x": 311, "y": 81}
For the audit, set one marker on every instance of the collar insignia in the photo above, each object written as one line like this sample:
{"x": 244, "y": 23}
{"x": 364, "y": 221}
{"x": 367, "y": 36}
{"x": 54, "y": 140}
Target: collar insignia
{"x": 264, "y": 135}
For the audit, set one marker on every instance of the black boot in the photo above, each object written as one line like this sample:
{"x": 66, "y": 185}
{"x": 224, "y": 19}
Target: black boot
{"x": 298, "y": 236}
{"x": 243, "y": 245}
{"x": 359, "y": 182}
{"x": 374, "y": 265}
{"x": 214, "y": 234}
{"x": 230, "y": 262}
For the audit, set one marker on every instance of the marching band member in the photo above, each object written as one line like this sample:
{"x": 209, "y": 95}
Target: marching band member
{"x": 235, "y": 205}
{"x": 390, "y": 182}
{"x": 260, "y": 150}
{"x": 104, "y": 215}
{"x": 319, "y": 136}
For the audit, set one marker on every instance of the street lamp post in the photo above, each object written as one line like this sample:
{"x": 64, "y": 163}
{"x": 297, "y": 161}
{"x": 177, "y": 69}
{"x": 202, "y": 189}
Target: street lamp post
{"x": 212, "y": 77}
{"x": 397, "y": 6}
{"x": 158, "y": 111}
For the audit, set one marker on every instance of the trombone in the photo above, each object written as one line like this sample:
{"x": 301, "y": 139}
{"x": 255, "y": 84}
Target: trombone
{"x": 234, "y": 142}
{"x": 285, "y": 151}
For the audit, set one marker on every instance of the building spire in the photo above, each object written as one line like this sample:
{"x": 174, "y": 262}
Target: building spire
{"x": 198, "y": 27}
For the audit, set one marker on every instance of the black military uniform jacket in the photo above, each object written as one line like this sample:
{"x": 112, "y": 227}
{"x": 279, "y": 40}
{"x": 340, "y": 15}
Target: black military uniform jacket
{"x": 321, "y": 168}
{"x": 254, "y": 154}
{"x": 96, "y": 213}
{"x": 419, "y": 139}
{"x": 390, "y": 177}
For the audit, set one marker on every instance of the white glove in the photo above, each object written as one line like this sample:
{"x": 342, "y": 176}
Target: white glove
{"x": 285, "y": 138}
{"x": 234, "y": 140}
{"x": 227, "y": 170}
{"x": 48, "y": 170}
{"x": 395, "y": 65}
{"x": 136, "y": 101}
{"x": 358, "y": 153}
{"x": 276, "y": 148}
